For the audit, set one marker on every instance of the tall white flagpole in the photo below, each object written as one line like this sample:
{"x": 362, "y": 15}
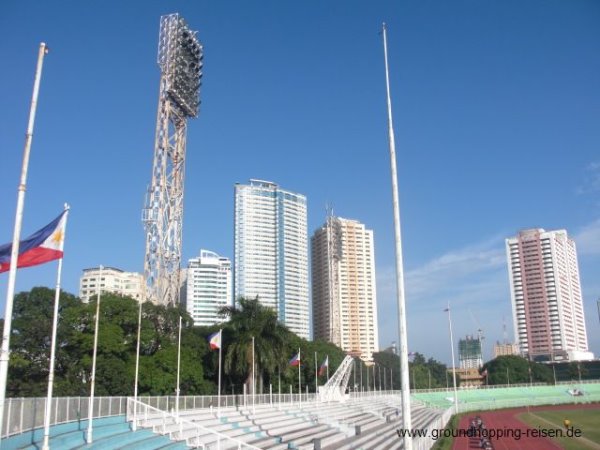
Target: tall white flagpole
{"x": 137, "y": 366}
{"x": 219, "y": 393}
{"x": 46, "y": 446}
{"x": 362, "y": 388}
{"x": 12, "y": 275}
{"x": 453, "y": 364}
{"x": 178, "y": 370}
{"x": 253, "y": 384}
{"x": 93, "y": 379}
{"x": 316, "y": 376}
{"x": 299, "y": 380}
{"x": 405, "y": 385}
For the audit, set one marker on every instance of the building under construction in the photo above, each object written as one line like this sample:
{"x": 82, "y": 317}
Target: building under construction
{"x": 469, "y": 353}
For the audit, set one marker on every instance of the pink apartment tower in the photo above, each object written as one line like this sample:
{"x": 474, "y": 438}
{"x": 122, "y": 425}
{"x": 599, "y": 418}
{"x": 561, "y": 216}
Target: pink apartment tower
{"x": 546, "y": 297}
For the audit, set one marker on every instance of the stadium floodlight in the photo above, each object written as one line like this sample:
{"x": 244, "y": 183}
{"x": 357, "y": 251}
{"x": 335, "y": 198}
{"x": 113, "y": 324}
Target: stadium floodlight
{"x": 180, "y": 61}
{"x": 180, "y": 57}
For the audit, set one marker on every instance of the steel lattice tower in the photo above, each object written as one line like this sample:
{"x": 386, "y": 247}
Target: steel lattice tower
{"x": 180, "y": 61}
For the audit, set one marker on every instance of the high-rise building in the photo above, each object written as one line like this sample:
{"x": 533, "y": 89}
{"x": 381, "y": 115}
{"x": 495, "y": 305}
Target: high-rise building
{"x": 469, "y": 353}
{"x": 546, "y": 296}
{"x": 208, "y": 287}
{"x": 111, "y": 279}
{"x": 271, "y": 251}
{"x": 343, "y": 286}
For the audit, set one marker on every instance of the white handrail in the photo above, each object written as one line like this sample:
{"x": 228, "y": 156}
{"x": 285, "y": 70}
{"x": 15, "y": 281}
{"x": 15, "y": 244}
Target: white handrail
{"x": 141, "y": 416}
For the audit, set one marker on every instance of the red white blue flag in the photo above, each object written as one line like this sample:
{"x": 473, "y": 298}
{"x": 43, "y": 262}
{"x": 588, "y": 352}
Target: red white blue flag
{"x": 295, "y": 361}
{"x": 214, "y": 340}
{"x": 324, "y": 366}
{"x": 41, "y": 247}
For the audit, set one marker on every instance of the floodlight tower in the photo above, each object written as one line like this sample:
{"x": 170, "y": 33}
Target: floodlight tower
{"x": 180, "y": 61}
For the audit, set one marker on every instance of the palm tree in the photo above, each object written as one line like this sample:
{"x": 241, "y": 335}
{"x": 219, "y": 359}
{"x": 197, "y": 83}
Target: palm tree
{"x": 253, "y": 320}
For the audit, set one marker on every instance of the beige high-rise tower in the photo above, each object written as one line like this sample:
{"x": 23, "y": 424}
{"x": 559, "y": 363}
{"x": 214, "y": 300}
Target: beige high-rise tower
{"x": 343, "y": 287}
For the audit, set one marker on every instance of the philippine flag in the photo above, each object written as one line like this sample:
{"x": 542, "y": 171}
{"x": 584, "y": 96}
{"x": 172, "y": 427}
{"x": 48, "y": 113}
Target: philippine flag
{"x": 324, "y": 366}
{"x": 295, "y": 361}
{"x": 214, "y": 340}
{"x": 42, "y": 246}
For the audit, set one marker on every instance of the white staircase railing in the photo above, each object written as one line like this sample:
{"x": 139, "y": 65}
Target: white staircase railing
{"x": 203, "y": 437}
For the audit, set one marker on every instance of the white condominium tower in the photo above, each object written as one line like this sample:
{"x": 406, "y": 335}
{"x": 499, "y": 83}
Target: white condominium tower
{"x": 343, "y": 287}
{"x": 111, "y": 279}
{"x": 208, "y": 287}
{"x": 546, "y": 296}
{"x": 271, "y": 251}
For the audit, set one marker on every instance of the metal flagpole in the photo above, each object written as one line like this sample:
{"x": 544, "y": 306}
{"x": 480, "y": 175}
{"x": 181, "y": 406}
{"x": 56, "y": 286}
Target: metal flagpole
{"x": 316, "y": 376}
{"x": 299, "y": 381}
{"x": 253, "y": 384}
{"x": 453, "y": 364}
{"x": 374, "y": 378}
{"x": 362, "y": 388}
{"x": 404, "y": 375}
{"x": 137, "y": 366}
{"x": 178, "y": 370}
{"x": 14, "y": 256}
{"x": 46, "y": 446}
{"x": 93, "y": 378}
{"x": 219, "y": 393}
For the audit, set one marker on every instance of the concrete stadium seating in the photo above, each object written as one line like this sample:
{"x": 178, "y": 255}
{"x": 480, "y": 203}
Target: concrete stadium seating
{"x": 108, "y": 433}
{"x": 368, "y": 423}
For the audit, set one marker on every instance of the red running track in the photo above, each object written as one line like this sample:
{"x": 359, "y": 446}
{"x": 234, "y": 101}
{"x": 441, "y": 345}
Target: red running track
{"x": 506, "y": 419}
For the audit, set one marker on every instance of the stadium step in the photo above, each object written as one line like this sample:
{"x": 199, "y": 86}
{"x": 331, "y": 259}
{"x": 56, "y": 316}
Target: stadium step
{"x": 154, "y": 442}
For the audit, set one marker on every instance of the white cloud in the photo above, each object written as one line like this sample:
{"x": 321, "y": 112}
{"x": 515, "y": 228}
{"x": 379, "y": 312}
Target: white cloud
{"x": 591, "y": 179}
{"x": 452, "y": 270}
{"x": 588, "y": 239}
{"x": 474, "y": 279}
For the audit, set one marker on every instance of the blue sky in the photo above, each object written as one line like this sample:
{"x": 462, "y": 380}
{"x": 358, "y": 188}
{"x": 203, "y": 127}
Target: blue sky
{"x": 496, "y": 112}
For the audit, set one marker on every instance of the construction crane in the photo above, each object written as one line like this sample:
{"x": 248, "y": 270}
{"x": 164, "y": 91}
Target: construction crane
{"x": 480, "y": 335}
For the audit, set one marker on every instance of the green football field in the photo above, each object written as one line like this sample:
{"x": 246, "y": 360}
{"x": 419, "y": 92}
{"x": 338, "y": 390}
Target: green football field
{"x": 587, "y": 420}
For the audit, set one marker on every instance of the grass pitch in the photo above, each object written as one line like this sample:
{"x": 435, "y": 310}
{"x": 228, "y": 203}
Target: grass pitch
{"x": 587, "y": 420}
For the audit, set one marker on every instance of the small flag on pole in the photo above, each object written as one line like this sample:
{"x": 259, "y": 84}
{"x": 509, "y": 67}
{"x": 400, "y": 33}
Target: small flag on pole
{"x": 214, "y": 340}
{"x": 324, "y": 366}
{"x": 295, "y": 361}
{"x": 43, "y": 246}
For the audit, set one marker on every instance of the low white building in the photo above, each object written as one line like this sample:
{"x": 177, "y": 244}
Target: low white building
{"x": 111, "y": 279}
{"x": 208, "y": 287}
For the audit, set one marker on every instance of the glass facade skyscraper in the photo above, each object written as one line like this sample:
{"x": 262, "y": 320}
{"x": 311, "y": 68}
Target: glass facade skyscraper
{"x": 271, "y": 251}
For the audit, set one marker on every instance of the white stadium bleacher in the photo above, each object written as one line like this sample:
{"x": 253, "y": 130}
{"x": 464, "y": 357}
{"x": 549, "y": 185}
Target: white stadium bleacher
{"x": 368, "y": 422}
